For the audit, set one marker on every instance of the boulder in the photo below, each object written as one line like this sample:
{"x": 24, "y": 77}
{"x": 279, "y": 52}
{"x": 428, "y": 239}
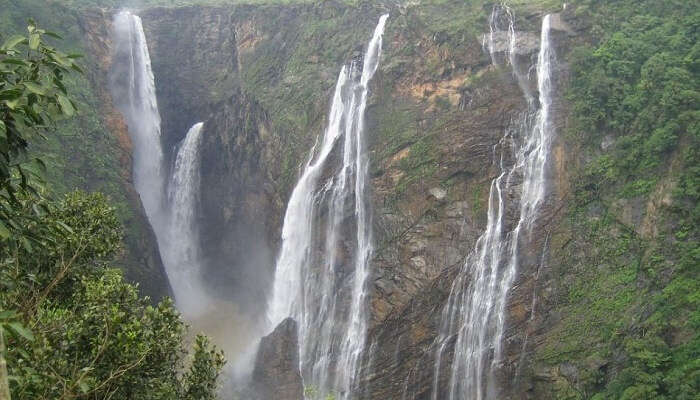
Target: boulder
{"x": 276, "y": 374}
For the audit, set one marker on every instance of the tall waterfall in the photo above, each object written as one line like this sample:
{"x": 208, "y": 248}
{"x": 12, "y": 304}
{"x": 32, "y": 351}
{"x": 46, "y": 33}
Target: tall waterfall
{"x": 181, "y": 249}
{"x": 322, "y": 269}
{"x": 476, "y": 309}
{"x": 172, "y": 217}
{"x": 134, "y": 94}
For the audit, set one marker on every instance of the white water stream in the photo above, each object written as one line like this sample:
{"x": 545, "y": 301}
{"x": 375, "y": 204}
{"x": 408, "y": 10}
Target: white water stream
{"x": 134, "y": 94}
{"x": 322, "y": 269}
{"x": 323, "y": 266}
{"x": 474, "y": 316}
{"x": 180, "y": 251}
{"x": 170, "y": 204}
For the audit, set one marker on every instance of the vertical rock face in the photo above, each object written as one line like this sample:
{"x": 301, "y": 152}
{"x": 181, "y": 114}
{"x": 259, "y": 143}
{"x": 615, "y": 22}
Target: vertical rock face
{"x": 206, "y": 62}
{"x": 195, "y": 64}
{"x": 239, "y": 208}
{"x": 276, "y": 374}
{"x": 413, "y": 275}
{"x": 194, "y": 60}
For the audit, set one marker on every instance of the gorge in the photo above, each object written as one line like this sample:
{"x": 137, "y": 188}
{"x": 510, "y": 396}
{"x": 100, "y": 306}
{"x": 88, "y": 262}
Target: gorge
{"x": 403, "y": 200}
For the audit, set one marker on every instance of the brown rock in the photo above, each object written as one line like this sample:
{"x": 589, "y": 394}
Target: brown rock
{"x": 276, "y": 374}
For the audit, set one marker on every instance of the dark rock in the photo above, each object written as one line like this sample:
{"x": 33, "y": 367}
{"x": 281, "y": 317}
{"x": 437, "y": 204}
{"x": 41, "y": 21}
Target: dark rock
{"x": 194, "y": 60}
{"x": 239, "y": 209}
{"x": 276, "y": 374}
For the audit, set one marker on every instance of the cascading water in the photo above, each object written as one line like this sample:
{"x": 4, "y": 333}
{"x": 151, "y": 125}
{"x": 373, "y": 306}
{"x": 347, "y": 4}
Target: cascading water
{"x": 475, "y": 311}
{"x": 172, "y": 218}
{"x": 181, "y": 249}
{"x": 320, "y": 280}
{"x": 134, "y": 94}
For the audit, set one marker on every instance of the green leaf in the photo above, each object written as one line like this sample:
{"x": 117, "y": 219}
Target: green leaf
{"x": 3, "y": 130}
{"x": 41, "y": 164}
{"x": 15, "y": 61}
{"x": 62, "y": 61}
{"x": 12, "y": 104}
{"x": 64, "y": 226}
{"x": 7, "y": 314}
{"x": 34, "y": 40}
{"x": 12, "y": 42}
{"x": 66, "y": 105}
{"x": 53, "y": 35}
{"x": 60, "y": 85}
{"x": 35, "y": 88}
{"x": 10, "y": 94}
{"x": 83, "y": 386}
{"x": 4, "y": 232}
{"x": 21, "y": 330}
{"x": 26, "y": 244}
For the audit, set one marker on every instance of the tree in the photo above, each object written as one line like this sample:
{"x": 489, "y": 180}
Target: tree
{"x": 74, "y": 328}
{"x": 32, "y": 97}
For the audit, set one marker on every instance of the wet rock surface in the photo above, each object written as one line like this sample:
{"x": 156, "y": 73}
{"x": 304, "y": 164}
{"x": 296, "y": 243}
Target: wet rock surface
{"x": 194, "y": 61}
{"x": 276, "y": 374}
{"x": 239, "y": 208}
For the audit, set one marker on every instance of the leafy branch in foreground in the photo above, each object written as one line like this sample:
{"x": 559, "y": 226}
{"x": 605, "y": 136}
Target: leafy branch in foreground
{"x": 32, "y": 97}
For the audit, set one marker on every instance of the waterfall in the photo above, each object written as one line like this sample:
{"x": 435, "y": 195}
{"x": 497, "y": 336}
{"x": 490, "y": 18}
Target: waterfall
{"x": 172, "y": 218}
{"x": 474, "y": 316}
{"x": 134, "y": 94}
{"x": 181, "y": 249}
{"x": 322, "y": 269}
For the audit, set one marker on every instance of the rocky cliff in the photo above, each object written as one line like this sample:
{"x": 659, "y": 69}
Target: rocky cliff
{"x": 430, "y": 229}
{"x": 260, "y": 78}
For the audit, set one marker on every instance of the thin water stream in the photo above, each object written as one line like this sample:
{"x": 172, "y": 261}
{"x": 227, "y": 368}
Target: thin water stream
{"x": 474, "y": 316}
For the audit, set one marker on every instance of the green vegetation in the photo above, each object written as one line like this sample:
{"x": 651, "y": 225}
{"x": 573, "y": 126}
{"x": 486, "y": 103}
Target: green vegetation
{"x": 629, "y": 307}
{"x": 96, "y": 168}
{"x": 311, "y": 393}
{"x": 633, "y": 299}
{"x": 79, "y": 152}
{"x": 640, "y": 86}
{"x": 70, "y": 327}
{"x": 33, "y": 95}
{"x": 293, "y": 79}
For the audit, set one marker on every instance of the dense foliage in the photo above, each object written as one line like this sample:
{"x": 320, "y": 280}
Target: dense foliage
{"x": 635, "y": 93}
{"x": 71, "y": 326}
{"x": 33, "y": 95}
